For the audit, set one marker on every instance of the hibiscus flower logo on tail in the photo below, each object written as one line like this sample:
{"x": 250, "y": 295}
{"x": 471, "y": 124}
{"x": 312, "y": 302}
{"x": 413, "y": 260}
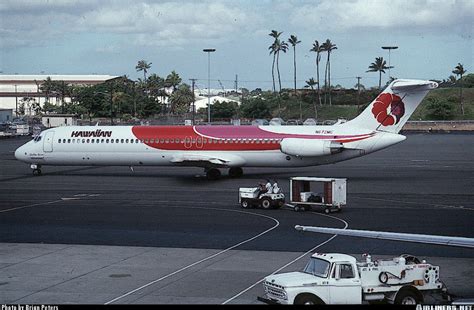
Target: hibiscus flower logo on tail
{"x": 388, "y": 109}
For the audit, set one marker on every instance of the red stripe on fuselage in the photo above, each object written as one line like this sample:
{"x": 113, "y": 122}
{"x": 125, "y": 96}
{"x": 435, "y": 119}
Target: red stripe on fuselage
{"x": 222, "y": 138}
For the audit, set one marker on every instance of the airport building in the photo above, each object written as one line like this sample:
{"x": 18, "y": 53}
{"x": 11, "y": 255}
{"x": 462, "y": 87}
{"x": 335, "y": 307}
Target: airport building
{"x": 13, "y": 88}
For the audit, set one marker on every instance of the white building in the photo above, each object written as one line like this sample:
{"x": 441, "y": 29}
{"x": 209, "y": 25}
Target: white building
{"x": 202, "y": 103}
{"x": 13, "y": 88}
{"x": 56, "y": 120}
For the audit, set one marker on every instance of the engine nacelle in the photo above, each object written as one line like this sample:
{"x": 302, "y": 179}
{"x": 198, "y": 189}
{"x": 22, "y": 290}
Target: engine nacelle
{"x": 309, "y": 147}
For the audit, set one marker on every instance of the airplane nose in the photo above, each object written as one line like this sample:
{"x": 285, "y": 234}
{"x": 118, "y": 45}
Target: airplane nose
{"x": 20, "y": 153}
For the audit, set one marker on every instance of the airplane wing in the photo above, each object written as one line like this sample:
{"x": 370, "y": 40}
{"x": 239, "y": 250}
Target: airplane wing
{"x": 210, "y": 159}
{"x": 431, "y": 239}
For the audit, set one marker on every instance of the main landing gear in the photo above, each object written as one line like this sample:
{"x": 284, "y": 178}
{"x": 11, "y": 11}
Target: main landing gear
{"x": 36, "y": 169}
{"x": 214, "y": 173}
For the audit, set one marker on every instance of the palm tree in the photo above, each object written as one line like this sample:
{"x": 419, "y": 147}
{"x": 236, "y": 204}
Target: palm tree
{"x": 47, "y": 87}
{"x": 281, "y": 47}
{"x": 310, "y": 83}
{"x": 273, "y": 50}
{"x": 328, "y": 47}
{"x": 293, "y": 41}
{"x": 380, "y": 66}
{"x": 459, "y": 70}
{"x": 317, "y": 49}
{"x": 143, "y": 65}
{"x": 173, "y": 80}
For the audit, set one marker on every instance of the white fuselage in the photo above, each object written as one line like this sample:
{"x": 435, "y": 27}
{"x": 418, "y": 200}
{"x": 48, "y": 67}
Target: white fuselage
{"x": 203, "y": 146}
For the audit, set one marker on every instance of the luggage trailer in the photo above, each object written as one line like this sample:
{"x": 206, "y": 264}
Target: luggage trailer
{"x": 328, "y": 193}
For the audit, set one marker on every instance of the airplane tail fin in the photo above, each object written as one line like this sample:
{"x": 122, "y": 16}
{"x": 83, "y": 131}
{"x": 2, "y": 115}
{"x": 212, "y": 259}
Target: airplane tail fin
{"x": 394, "y": 106}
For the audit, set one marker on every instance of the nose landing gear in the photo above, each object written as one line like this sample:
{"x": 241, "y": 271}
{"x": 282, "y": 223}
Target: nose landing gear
{"x": 36, "y": 169}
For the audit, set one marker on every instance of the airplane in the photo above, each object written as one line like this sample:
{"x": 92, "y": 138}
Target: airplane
{"x": 233, "y": 147}
{"x": 419, "y": 238}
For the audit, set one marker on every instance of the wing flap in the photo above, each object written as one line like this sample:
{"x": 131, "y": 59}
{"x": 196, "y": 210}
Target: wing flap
{"x": 217, "y": 160}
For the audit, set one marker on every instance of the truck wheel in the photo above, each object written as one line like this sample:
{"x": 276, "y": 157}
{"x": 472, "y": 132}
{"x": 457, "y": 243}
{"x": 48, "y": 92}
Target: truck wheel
{"x": 308, "y": 300}
{"x": 266, "y": 203}
{"x": 406, "y": 297}
{"x": 245, "y": 204}
{"x": 327, "y": 210}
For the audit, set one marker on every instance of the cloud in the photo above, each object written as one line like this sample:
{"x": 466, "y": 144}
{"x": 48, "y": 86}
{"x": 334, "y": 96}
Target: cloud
{"x": 353, "y": 15}
{"x": 144, "y": 22}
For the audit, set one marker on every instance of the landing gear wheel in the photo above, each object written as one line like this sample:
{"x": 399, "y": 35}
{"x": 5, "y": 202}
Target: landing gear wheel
{"x": 213, "y": 174}
{"x": 245, "y": 204}
{"x": 266, "y": 203}
{"x": 37, "y": 171}
{"x": 236, "y": 172}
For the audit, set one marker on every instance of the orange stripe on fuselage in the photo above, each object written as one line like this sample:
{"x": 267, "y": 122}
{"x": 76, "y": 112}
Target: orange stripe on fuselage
{"x": 188, "y": 138}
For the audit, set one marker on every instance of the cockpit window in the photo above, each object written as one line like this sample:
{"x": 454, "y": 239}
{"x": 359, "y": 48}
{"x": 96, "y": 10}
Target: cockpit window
{"x": 37, "y": 139}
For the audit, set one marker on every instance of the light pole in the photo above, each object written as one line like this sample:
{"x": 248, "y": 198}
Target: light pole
{"x": 209, "y": 51}
{"x": 389, "y": 48}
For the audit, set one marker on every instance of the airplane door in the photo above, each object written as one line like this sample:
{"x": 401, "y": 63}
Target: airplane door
{"x": 199, "y": 143}
{"x": 187, "y": 142}
{"x": 48, "y": 141}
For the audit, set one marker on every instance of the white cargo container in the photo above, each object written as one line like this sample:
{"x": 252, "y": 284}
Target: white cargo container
{"x": 305, "y": 193}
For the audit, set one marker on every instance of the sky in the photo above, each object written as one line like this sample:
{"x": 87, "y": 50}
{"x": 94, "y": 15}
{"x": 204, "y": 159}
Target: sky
{"x": 111, "y": 36}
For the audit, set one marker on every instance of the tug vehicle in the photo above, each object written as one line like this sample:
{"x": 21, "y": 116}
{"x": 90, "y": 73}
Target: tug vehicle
{"x": 254, "y": 197}
{"x": 333, "y": 278}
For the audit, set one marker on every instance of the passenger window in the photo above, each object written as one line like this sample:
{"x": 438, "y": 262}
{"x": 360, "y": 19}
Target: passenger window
{"x": 111, "y": 140}
{"x": 126, "y": 140}
{"x": 87, "y": 140}
{"x": 68, "y": 140}
{"x": 116, "y": 140}
{"x": 83, "y": 140}
{"x": 121, "y": 141}
{"x": 59, "y": 140}
{"x": 346, "y": 271}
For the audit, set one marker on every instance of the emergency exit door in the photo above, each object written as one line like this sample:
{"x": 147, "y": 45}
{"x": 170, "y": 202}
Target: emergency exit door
{"x": 48, "y": 141}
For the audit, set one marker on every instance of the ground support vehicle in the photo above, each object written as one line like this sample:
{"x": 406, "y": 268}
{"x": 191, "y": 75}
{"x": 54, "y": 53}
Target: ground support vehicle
{"x": 330, "y": 194}
{"x": 253, "y": 197}
{"x": 335, "y": 278}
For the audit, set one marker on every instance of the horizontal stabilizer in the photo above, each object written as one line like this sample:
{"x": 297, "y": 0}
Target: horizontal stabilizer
{"x": 430, "y": 239}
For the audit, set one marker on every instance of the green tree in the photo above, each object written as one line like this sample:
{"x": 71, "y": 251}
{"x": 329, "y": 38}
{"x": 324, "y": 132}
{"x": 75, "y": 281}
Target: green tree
{"x": 143, "y": 65}
{"x": 173, "y": 80}
{"x": 255, "y": 108}
{"x": 181, "y": 99}
{"x": 317, "y": 49}
{"x": 379, "y": 66}
{"x": 47, "y": 87}
{"x": 311, "y": 83}
{"x": 328, "y": 47}
{"x": 459, "y": 70}
{"x": 224, "y": 109}
{"x": 439, "y": 110}
{"x": 87, "y": 100}
{"x": 294, "y": 41}
{"x": 273, "y": 51}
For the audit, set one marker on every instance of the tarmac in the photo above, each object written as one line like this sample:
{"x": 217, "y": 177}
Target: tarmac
{"x": 165, "y": 235}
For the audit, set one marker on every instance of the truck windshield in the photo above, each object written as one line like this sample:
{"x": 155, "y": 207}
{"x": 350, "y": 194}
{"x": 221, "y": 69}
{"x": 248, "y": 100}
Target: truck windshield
{"x": 317, "y": 267}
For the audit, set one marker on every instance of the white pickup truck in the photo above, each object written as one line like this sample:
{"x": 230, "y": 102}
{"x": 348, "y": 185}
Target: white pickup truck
{"x": 334, "y": 278}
